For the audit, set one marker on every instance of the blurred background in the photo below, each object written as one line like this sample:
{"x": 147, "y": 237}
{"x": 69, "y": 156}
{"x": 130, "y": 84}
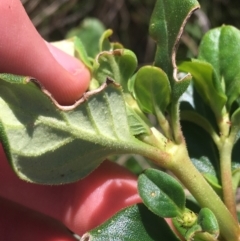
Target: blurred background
{"x": 129, "y": 19}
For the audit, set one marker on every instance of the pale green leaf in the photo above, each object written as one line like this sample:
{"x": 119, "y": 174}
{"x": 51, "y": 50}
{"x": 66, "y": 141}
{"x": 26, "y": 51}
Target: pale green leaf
{"x": 45, "y": 144}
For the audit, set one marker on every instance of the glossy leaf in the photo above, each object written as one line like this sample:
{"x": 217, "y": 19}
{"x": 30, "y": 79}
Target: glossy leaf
{"x": 161, "y": 193}
{"x": 133, "y": 223}
{"x": 208, "y": 222}
{"x": 206, "y": 83}
{"x": 220, "y": 47}
{"x": 152, "y": 89}
{"x": 166, "y": 26}
{"x": 204, "y": 165}
{"x": 118, "y": 65}
{"x": 47, "y": 145}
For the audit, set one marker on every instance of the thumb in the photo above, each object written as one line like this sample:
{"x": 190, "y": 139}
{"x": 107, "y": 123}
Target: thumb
{"x": 24, "y": 52}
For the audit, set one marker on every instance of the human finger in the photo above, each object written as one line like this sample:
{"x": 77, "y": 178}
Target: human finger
{"x": 24, "y": 52}
{"x": 82, "y": 205}
{"x": 21, "y": 224}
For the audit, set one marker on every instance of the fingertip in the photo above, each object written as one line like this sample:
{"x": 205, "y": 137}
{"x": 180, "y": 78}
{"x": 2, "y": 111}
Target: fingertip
{"x": 106, "y": 191}
{"x": 20, "y": 223}
{"x": 73, "y": 81}
{"x": 82, "y": 205}
{"x": 66, "y": 79}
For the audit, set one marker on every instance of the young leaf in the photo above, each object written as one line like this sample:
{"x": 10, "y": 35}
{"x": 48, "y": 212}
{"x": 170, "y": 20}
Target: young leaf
{"x": 186, "y": 224}
{"x": 104, "y": 43}
{"x": 152, "y": 89}
{"x": 203, "y": 227}
{"x": 166, "y": 26}
{"x": 208, "y": 222}
{"x": 118, "y": 65}
{"x": 180, "y": 87}
{"x": 89, "y": 32}
{"x": 133, "y": 223}
{"x": 81, "y": 53}
{"x": 161, "y": 193}
{"x": 136, "y": 123}
{"x": 220, "y": 47}
{"x": 206, "y": 83}
{"x": 47, "y": 145}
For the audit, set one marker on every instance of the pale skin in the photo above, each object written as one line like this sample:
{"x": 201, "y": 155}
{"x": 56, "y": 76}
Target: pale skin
{"x": 38, "y": 212}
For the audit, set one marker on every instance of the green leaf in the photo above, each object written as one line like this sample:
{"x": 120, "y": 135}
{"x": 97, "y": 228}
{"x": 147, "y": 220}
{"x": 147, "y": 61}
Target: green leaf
{"x": 104, "y": 43}
{"x": 152, "y": 89}
{"x": 204, "y": 165}
{"x": 81, "y": 53}
{"x": 89, "y": 32}
{"x": 193, "y": 116}
{"x": 220, "y": 47}
{"x": 45, "y": 144}
{"x": 180, "y": 87}
{"x": 214, "y": 182}
{"x": 208, "y": 222}
{"x": 206, "y": 83}
{"x": 166, "y": 26}
{"x": 161, "y": 193}
{"x": 136, "y": 123}
{"x": 133, "y": 223}
{"x": 118, "y": 65}
{"x": 235, "y": 125}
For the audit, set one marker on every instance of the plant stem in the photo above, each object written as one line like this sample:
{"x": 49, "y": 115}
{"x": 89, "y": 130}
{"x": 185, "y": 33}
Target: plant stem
{"x": 175, "y": 122}
{"x": 186, "y": 172}
{"x": 225, "y": 146}
{"x": 225, "y": 152}
{"x": 163, "y": 123}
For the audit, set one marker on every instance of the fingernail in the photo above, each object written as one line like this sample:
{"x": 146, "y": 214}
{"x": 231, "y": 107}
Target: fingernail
{"x": 70, "y": 63}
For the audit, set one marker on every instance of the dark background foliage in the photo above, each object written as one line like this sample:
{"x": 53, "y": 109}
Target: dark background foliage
{"x": 129, "y": 19}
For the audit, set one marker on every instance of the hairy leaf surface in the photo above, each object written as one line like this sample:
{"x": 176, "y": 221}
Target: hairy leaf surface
{"x": 48, "y": 145}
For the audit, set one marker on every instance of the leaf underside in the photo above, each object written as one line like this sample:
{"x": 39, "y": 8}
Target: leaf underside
{"x": 47, "y": 145}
